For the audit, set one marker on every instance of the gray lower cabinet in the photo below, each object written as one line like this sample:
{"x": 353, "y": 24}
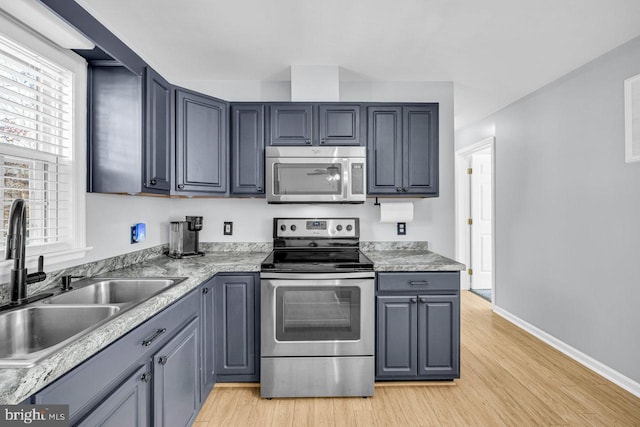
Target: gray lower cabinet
{"x": 247, "y": 149}
{"x": 207, "y": 341}
{"x": 176, "y": 378}
{"x": 151, "y": 373}
{"x": 201, "y": 144}
{"x": 126, "y": 406}
{"x": 418, "y": 326}
{"x": 236, "y": 327}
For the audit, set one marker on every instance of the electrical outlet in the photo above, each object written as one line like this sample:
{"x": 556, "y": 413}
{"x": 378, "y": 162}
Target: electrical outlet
{"x": 228, "y": 228}
{"x": 402, "y": 228}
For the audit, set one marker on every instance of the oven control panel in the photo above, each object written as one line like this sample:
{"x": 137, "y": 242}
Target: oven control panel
{"x": 316, "y": 227}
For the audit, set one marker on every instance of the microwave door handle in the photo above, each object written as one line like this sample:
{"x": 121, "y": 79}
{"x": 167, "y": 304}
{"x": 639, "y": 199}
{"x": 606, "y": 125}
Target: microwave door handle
{"x": 346, "y": 184}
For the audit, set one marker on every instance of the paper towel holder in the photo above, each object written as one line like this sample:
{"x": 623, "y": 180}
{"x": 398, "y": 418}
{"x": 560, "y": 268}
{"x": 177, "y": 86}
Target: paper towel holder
{"x": 376, "y": 203}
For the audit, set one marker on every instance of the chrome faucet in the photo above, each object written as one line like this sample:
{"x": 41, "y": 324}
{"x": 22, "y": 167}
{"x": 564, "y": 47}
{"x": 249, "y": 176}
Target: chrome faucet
{"x": 16, "y": 242}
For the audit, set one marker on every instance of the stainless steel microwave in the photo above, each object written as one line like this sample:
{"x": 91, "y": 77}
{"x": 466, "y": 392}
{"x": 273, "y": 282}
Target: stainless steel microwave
{"x": 316, "y": 174}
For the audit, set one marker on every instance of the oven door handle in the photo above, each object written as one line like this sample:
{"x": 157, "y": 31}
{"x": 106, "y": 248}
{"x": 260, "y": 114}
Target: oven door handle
{"x": 318, "y": 276}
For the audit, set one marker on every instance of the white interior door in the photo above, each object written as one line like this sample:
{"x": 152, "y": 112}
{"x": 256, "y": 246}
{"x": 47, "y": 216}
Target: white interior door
{"x": 481, "y": 214}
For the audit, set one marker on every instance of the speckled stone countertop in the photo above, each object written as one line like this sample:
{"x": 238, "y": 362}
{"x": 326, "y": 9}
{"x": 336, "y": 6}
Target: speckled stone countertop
{"x": 409, "y": 256}
{"x": 17, "y": 384}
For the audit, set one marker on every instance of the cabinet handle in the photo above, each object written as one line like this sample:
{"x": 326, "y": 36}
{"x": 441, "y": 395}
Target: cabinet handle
{"x": 205, "y": 291}
{"x": 162, "y": 360}
{"x": 258, "y": 188}
{"x": 146, "y": 377}
{"x": 307, "y": 141}
{"x": 399, "y": 190}
{"x": 423, "y": 299}
{"x": 404, "y": 190}
{"x": 413, "y": 300}
{"x": 323, "y": 140}
{"x": 150, "y": 340}
{"x": 153, "y": 182}
{"x": 180, "y": 186}
{"x": 418, "y": 283}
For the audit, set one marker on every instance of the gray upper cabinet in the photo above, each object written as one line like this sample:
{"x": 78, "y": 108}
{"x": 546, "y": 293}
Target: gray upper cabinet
{"x": 158, "y": 132}
{"x": 247, "y": 149}
{"x": 315, "y": 124}
{"x": 201, "y": 144}
{"x": 290, "y": 124}
{"x": 339, "y": 124}
{"x": 402, "y": 150}
{"x": 130, "y": 131}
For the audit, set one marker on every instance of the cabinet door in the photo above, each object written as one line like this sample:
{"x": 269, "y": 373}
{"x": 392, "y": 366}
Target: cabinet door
{"x": 247, "y": 150}
{"x": 439, "y": 336}
{"x": 235, "y": 329}
{"x": 420, "y": 150}
{"x": 207, "y": 339}
{"x": 127, "y": 405}
{"x": 291, "y": 124}
{"x": 396, "y": 353}
{"x": 157, "y": 152}
{"x": 176, "y": 385}
{"x": 201, "y": 144}
{"x": 339, "y": 124}
{"x": 384, "y": 150}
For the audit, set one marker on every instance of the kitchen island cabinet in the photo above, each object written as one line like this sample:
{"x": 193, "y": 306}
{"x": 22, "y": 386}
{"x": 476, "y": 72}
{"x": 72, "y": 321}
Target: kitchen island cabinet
{"x": 418, "y": 326}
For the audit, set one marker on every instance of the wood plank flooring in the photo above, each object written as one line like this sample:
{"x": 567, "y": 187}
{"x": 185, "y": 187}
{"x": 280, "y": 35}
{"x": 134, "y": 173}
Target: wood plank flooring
{"x": 508, "y": 378}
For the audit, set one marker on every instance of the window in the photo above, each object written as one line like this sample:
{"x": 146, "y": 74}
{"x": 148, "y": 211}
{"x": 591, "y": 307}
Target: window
{"x": 42, "y": 118}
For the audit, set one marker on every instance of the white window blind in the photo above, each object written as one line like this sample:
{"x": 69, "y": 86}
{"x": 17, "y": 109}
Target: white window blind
{"x": 36, "y": 151}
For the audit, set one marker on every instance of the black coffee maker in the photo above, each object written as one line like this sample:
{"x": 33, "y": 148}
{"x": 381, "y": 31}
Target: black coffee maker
{"x": 184, "y": 239}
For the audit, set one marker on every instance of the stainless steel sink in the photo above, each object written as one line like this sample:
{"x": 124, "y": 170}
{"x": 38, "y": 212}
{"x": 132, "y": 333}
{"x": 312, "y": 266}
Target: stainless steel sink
{"x": 30, "y": 333}
{"x": 113, "y": 291}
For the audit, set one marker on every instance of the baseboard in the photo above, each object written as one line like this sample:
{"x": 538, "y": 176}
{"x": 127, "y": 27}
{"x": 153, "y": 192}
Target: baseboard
{"x": 599, "y": 368}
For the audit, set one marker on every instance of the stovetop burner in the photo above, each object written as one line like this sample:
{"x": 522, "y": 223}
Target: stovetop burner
{"x": 316, "y": 245}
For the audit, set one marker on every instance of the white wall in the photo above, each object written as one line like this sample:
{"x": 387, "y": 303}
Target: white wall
{"x": 567, "y": 206}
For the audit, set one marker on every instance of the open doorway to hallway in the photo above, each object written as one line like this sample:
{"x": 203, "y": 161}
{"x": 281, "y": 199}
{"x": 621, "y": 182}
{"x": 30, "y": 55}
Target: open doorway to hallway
{"x": 475, "y": 219}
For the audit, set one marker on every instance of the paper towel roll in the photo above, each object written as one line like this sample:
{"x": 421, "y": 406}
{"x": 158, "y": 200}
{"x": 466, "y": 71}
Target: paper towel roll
{"x": 396, "y": 212}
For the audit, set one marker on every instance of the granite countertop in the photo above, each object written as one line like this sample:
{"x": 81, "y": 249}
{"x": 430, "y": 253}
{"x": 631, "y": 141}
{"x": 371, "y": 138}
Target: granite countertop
{"x": 407, "y": 256}
{"x": 17, "y": 384}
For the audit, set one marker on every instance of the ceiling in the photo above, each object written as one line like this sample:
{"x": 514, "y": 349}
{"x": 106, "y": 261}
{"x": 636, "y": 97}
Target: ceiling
{"x": 494, "y": 51}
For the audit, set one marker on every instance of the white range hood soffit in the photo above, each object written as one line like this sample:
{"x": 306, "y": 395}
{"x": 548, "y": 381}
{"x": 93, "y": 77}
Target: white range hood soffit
{"x": 315, "y": 83}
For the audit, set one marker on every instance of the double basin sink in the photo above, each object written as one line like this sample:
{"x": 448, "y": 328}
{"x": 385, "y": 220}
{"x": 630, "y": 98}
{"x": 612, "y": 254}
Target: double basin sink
{"x": 31, "y": 333}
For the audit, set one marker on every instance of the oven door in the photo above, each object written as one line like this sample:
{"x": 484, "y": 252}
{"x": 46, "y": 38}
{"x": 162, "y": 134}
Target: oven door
{"x": 315, "y": 316}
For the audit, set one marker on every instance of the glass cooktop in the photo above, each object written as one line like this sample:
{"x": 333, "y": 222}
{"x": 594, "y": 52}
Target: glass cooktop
{"x": 317, "y": 260}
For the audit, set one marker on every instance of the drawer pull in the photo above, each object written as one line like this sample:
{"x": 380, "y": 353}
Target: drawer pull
{"x": 418, "y": 283}
{"x": 150, "y": 340}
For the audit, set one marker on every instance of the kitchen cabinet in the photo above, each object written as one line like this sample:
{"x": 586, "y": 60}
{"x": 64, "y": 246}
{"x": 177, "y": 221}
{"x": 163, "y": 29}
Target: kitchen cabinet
{"x": 208, "y": 338}
{"x": 201, "y": 144}
{"x": 126, "y": 406}
{"x": 315, "y": 124}
{"x": 130, "y": 131}
{"x": 138, "y": 375}
{"x": 418, "y": 326}
{"x": 402, "y": 150}
{"x": 247, "y": 149}
{"x": 176, "y": 378}
{"x": 236, "y": 327}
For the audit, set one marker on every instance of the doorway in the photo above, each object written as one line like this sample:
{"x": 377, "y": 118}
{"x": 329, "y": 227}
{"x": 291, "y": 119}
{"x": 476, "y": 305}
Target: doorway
{"x": 475, "y": 189}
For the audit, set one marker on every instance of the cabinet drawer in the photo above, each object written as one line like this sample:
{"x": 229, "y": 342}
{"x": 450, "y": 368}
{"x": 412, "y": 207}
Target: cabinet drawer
{"x": 89, "y": 382}
{"x": 419, "y": 282}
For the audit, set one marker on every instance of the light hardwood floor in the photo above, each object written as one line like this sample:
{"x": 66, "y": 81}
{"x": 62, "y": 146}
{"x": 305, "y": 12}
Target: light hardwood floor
{"x": 508, "y": 377}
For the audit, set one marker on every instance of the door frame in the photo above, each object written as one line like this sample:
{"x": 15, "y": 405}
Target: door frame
{"x": 462, "y": 232}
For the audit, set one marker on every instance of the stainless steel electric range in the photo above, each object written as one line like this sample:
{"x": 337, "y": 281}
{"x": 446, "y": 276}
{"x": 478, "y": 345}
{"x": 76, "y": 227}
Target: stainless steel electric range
{"x": 317, "y": 311}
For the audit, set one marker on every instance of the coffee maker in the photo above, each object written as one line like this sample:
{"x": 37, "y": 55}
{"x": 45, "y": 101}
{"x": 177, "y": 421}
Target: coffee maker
{"x": 184, "y": 237}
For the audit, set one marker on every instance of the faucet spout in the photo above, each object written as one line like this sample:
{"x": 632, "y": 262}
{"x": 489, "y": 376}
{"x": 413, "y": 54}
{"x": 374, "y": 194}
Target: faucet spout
{"x": 16, "y": 247}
